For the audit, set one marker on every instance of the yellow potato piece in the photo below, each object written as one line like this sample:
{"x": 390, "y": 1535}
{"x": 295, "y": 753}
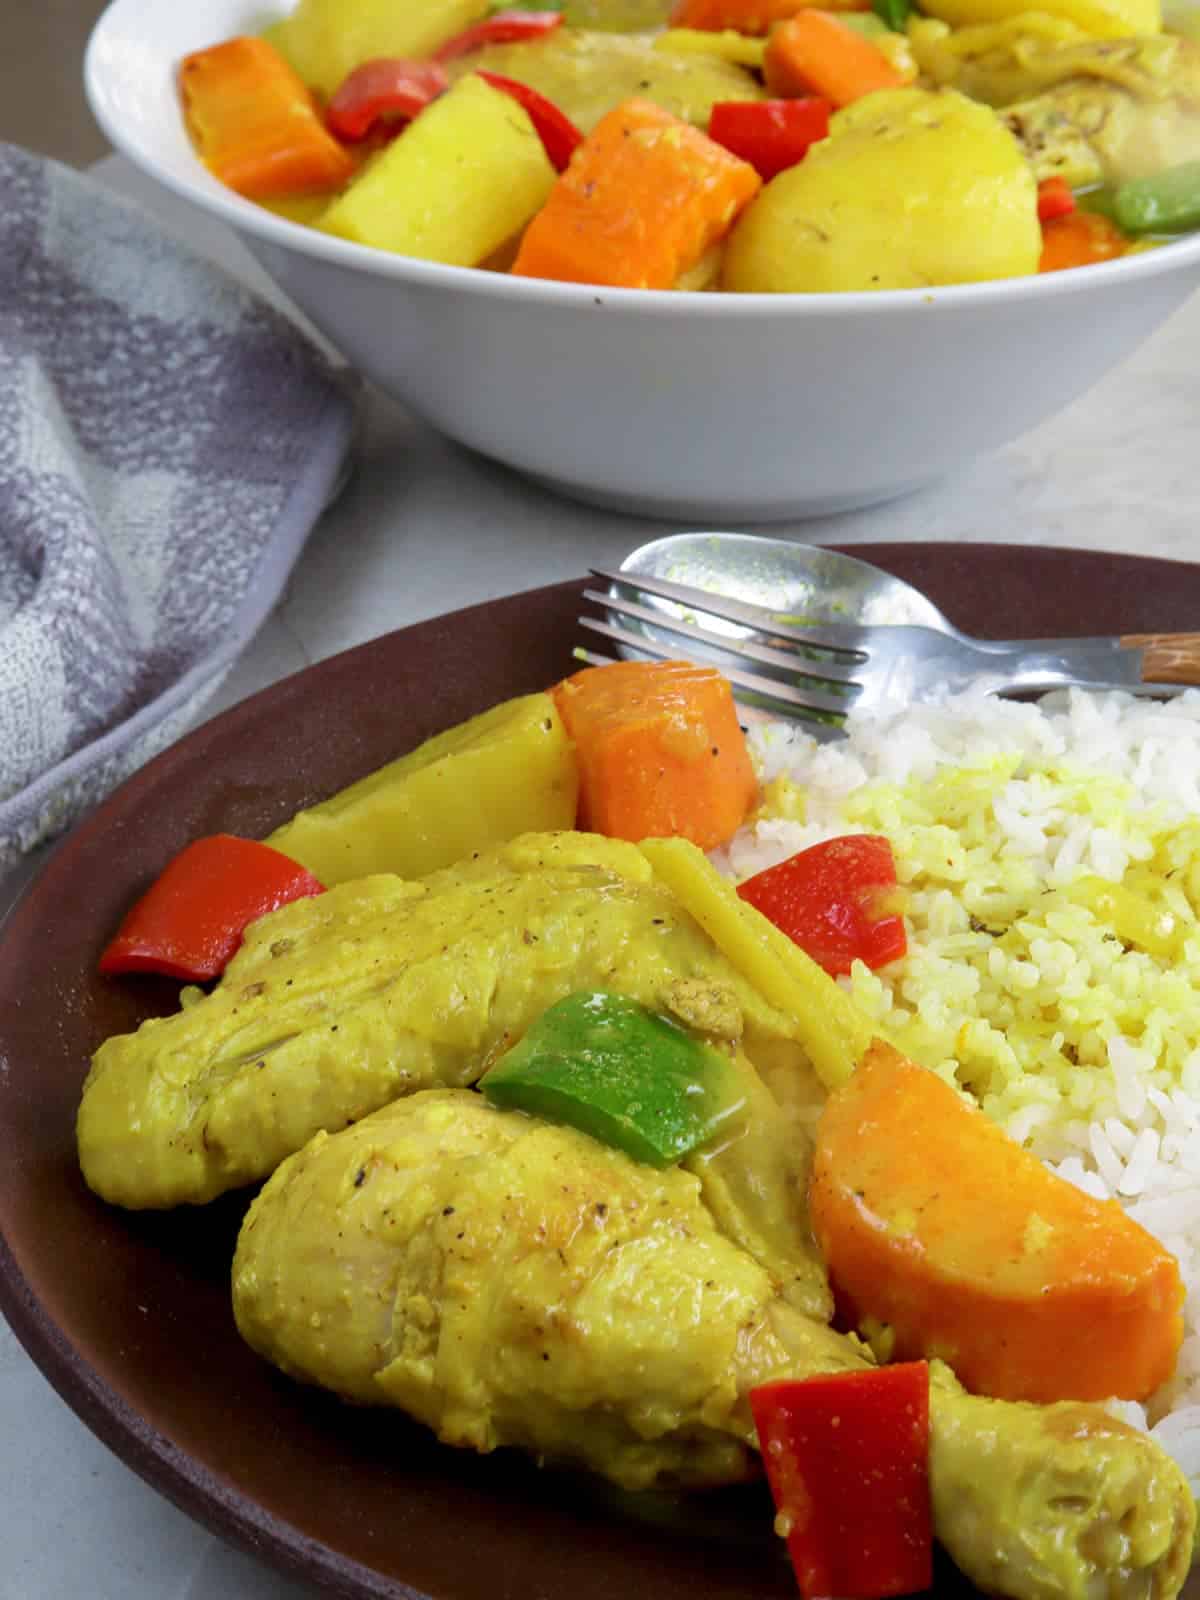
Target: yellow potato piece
{"x": 467, "y": 175}
{"x": 913, "y": 187}
{"x": 510, "y": 770}
{"x": 326, "y": 39}
{"x": 1105, "y": 19}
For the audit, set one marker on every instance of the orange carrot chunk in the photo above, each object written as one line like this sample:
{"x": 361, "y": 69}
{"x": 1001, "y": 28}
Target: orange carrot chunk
{"x": 660, "y": 751}
{"x": 644, "y": 197}
{"x": 255, "y": 125}
{"x": 1079, "y": 239}
{"x": 750, "y": 16}
{"x": 934, "y": 1222}
{"x": 814, "y": 53}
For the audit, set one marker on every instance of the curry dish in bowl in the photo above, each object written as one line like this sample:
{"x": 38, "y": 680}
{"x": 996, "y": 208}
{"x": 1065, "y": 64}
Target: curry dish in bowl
{"x": 737, "y": 145}
{"x": 536, "y": 315}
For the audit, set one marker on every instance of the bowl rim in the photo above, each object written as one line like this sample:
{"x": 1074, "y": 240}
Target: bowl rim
{"x": 246, "y": 218}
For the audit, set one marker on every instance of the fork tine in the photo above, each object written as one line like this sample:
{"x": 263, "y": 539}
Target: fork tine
{"x": 750, "y": 714}
{"x": 844, "y": 642}
{"x": 591, "y": 658}
{"x": 825, "y": 710}
{"x": 827, "y": 685}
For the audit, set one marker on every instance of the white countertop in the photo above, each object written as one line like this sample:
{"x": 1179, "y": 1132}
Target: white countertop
{"x": 425, "y": 527}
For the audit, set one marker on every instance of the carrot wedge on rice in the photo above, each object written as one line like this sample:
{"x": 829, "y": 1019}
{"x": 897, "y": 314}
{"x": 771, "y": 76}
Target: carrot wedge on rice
{"x": 936, "y": 1224}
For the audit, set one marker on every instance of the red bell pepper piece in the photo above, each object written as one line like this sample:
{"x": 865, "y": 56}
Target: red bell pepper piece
{"x": 838, "y": 900}
{"x": 847, "y": 1458}
{"x": 191, "y": 919}
{"x": 506, "y": 27}
{"x": 557, "y": 132}
{"x": 1054, "y": 199}
{"x": 384, "y": 89}
{"x": 770, "y": 134}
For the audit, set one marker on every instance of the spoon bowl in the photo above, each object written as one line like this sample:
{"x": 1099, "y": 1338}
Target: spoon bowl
{"x": 807, "y": 583}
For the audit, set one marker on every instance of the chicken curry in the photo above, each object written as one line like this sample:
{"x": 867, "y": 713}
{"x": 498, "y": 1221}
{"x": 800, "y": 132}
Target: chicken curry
{"x": 510, "y": 1266}
{"x": 739, "y": 145}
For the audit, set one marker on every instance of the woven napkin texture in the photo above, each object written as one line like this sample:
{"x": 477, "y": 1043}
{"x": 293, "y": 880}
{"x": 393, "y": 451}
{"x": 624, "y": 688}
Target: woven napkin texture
{"x": 167, "y": 441}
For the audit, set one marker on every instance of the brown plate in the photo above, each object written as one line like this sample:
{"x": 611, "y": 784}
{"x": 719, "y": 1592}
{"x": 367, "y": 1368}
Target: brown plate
{"x": 128, "y": 1315}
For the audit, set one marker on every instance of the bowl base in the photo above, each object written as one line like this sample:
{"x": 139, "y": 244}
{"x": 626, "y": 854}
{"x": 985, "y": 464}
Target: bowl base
{"x": 710, "y": 510}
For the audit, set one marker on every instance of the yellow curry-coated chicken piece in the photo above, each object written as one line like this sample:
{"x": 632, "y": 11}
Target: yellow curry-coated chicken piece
{"x": 1043, "y": 1502}
{"x": 1086, "y": 110}
{"x": 337, "y": 1004}
{"x": 1088, "y": 132}
{"x": 1131, "y": 107}
{"x": 587, "y": 73}
{"x": 509, "y": 1282}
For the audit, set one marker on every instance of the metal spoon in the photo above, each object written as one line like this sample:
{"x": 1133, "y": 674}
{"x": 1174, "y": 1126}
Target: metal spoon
{"x": 809, "y": 585}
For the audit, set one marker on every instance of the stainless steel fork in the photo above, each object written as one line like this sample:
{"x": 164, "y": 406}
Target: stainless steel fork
{"x": 820, "y": 671}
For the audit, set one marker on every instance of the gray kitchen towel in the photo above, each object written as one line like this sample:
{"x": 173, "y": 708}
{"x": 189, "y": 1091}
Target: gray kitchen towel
{"x": 167, "y": 441}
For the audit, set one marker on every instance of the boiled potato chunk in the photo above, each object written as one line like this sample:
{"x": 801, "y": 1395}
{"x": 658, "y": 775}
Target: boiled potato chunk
{"x": 1105, "y": 19}
{"x": 586, "y": 74}
{"x": 510, "y": 770}
{"x": 913, "y": 187}
{"x": 456, "y": 185}
{"x": 326, "y": 39}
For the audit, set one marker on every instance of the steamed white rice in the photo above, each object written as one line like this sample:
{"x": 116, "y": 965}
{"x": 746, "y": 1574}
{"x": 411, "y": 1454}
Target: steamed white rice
{"x": 1085, "y": 1046}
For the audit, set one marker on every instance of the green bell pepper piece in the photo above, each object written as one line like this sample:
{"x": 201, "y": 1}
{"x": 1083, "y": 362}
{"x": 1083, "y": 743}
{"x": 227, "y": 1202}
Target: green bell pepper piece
{"x": 627, "y": 1076}
{"x": 1101, "y": 199}
{"x": 1169, "y": 202}
{"x": 894, "y": 12}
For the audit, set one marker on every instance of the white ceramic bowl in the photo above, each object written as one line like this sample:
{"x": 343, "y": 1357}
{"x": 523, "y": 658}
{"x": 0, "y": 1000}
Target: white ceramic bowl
{"x": 700, "y": 407}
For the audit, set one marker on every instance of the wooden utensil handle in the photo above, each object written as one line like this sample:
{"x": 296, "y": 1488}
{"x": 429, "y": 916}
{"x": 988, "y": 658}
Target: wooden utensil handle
{"x": 1168, "y": 657}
